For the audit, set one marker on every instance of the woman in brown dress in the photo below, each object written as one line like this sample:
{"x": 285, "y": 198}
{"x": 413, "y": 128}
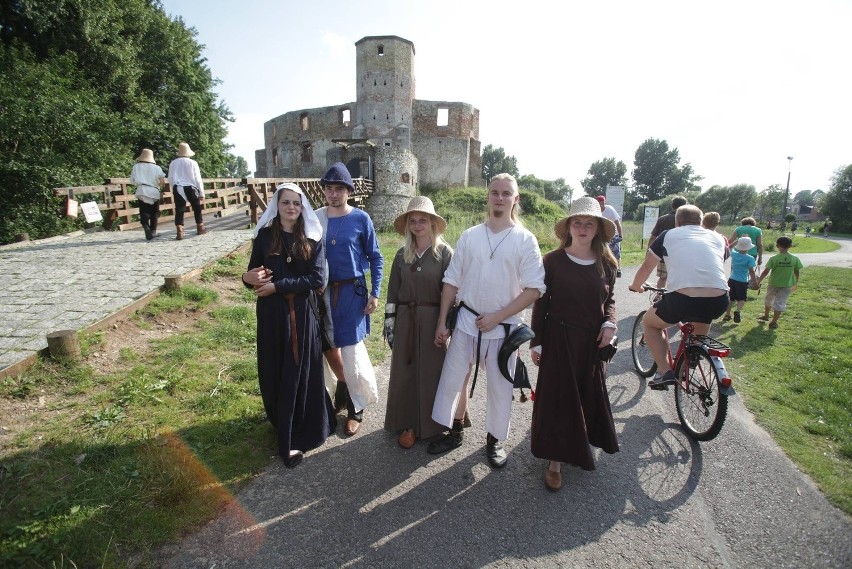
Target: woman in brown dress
{"x": 411, "y": 315}
{"x": 574, "y": 318}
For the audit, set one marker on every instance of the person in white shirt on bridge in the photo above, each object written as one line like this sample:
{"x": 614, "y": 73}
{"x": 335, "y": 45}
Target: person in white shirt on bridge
{"x": 185, "y": 179}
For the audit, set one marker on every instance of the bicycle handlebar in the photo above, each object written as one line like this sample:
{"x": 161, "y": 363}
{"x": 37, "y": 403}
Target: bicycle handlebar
{"x": 646, "y": 286}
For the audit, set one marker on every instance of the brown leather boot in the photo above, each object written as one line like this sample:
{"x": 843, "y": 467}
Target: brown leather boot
{"x": 179, "y": 235}
{"x": 200, "y": 228}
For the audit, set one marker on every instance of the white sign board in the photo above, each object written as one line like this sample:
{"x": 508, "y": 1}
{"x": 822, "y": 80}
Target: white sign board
{"x": 615, "y": 198}
{"x": 91, "y": 211}
{"x": 651, "y": 215}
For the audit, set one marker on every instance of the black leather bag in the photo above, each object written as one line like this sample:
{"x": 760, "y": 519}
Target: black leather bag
{"x": 606, "y": 353}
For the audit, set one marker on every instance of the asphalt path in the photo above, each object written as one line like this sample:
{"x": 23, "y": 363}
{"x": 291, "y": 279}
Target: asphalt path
{"x": 662, "y": 501}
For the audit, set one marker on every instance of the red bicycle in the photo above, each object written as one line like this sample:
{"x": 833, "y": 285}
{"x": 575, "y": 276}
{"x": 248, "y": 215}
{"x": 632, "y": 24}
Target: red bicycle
{"x": 703, "y": 384}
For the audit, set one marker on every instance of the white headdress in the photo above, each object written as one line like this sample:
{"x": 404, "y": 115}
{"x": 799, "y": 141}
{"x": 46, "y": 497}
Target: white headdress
{"x": 313, "y": 229}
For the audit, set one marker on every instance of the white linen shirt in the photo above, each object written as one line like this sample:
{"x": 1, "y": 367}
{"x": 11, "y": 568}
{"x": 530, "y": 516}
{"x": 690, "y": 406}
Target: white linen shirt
{"x": 146, "y": 177}
{"x": 184, "y": 171}
{"x": 488, "y": 285}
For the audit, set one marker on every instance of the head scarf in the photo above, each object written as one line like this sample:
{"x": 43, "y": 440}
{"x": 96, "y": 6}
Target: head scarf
{"x": 313, "y": 229}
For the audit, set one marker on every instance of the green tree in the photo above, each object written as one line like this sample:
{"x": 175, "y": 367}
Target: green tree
{"x": 554, "y": 190}
{"x": 657, "y": 173}
{"x": 83, "y": 87}
{"x": 235, "y": 167}
{"x": 805, "y": 197}
{"x": 495, "y": 161}
{"x": 603, "y": 173}
{"x": 729, "y": 201}
{"x": 837, "y": 203}
{"x": 769, "y": 203}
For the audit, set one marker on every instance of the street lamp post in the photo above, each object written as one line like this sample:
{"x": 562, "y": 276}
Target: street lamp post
{"x": 786, "y": 195}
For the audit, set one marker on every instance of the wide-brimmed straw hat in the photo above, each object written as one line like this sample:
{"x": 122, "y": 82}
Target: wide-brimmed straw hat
{"x": 420, "y": 204}
{"x": 184, "y": 150}
{"x": 147, "y": 155}
{"x": 589, "y": 207}
{"x": 744, "y": 244}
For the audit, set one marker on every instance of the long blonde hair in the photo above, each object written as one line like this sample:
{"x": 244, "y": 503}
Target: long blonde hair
{"x": 409, "y": 249}
{"x": 603, "y": 255}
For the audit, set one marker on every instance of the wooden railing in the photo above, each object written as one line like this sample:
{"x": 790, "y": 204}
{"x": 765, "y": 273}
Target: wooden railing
{"x": 222, "y": 196}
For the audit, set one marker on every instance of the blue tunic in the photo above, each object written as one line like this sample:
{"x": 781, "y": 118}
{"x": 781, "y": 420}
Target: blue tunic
{"x": 351, "y": 249}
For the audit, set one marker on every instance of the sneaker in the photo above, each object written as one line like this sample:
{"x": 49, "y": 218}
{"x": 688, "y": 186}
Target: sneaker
{"x": 773, "y": 324}
{"x": 726, "y": 318}
{"x": 737, "y": 318}
{"x": 763, "y": 318}
{"x": 662, "y": 381}
{"x": 618, "y": 274}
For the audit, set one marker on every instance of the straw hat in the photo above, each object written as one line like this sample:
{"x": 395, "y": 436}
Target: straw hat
{"x": 589, "y": 207}
{"x": 184, "y": 150}
{"x": 147, "y": 155}
{"x": 744, "y": 244}
{"x": 420, "y": 204}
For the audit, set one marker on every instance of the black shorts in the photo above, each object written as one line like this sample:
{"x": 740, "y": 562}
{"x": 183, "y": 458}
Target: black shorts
{"x": 675, "y": 307}
{"x": 738, "y": 290}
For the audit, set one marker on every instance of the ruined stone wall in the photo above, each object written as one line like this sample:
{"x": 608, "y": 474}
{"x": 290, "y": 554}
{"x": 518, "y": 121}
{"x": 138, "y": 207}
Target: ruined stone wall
{"x": 463, "y": 120}
{"x": 446, "y": 152}
{"x": 443, "y": 162}
{"x": 395, "y": 184}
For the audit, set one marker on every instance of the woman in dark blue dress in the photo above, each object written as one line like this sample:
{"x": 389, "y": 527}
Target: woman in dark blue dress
{"x": 286, "y": 267}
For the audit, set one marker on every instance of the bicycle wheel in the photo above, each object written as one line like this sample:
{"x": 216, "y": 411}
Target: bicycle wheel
{"x": 643, "y": 361}
{"x": 701, "y": 408}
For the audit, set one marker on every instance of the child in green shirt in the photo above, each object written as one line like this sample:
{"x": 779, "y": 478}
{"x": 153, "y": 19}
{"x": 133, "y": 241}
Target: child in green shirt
{"x": 784, "y": 269}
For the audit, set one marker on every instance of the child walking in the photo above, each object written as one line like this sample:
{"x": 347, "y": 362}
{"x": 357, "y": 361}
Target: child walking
{"x": 742, "y": 273}
{"x": 784, "y": 269}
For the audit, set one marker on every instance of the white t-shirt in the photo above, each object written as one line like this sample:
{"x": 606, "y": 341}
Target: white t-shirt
{"x": 611, "y": 214}
{"x": 491, "y": 271}
{"x": 694, "y": 256}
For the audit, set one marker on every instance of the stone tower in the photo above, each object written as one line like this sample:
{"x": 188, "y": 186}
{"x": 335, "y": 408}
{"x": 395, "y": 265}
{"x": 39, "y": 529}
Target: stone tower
{"x": 384, "y": 70}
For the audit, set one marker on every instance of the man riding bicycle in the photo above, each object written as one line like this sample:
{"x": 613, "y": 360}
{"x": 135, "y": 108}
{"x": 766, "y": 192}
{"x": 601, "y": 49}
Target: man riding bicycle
{"x": 698, "y": 287}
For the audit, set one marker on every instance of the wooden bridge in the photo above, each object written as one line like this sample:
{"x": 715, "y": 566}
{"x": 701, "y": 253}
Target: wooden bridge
{"x": 222, "y": 196}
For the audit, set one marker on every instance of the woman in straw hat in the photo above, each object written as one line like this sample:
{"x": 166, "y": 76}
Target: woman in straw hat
{"x": 571, "y": 321}
{"x": 742, "y": 273}
{"x": 187, "y": 187}
{"x": 411, "y": 315}
{"x": 147, "y": 177}
{"x": 286, "y": 267}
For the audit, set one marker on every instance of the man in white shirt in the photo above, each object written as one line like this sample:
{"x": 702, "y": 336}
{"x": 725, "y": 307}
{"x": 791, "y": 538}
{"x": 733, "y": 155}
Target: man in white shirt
{"x": 185, "y": 179}
{"x": 496, "y": 272}
{"x": 611, "y": 214}
{"x": 147, "y": 177}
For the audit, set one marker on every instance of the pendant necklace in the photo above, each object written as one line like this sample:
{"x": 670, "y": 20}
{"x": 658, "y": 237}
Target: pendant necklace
{"x": 339, "y": 227}
{"x": 493, "y": 249}
{"x": 290, "y": 252}
{"x": 416, "y": 265}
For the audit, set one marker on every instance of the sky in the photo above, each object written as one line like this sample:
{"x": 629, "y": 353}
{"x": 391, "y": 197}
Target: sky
{"x": 736, "y": 86}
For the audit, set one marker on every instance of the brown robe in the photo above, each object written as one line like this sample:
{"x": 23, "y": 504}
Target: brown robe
{"x": 572, "y": 409}
{"x": 415, "y": 362}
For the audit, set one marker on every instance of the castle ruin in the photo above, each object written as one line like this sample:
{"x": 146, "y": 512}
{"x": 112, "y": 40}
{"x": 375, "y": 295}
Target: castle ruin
{"x": 386, "y": 135}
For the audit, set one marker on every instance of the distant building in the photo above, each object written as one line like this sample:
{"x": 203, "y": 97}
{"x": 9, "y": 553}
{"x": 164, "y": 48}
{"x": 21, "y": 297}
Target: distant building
{"x": 387, "y": 135}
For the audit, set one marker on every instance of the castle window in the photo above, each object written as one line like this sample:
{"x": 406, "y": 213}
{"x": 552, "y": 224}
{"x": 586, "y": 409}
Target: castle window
{"x": 307, "y": 152}
{"x": 443, "y": 116}
{"x": 345, "y": 117}
{"x": 405, "y": 179}
{"x": 274, "y": 130}
{"x": 275, "y": 157}
{"x": 304, "y": 122}
{"x": 381, "y": 50}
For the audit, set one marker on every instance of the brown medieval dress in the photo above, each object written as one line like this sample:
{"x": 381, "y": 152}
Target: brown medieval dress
{"x": 415, "y": 362}
{"x": 572, "y": 409}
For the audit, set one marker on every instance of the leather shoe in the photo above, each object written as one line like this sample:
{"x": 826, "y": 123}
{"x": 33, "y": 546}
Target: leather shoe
{"x": 294, "y": 460}
{"x": 406, "y": 438}
{"x": 552, "y": 480}
{"x": 497, "y": 456}
{"x": 451, "y": 440}
{"x": 352, "y": 426}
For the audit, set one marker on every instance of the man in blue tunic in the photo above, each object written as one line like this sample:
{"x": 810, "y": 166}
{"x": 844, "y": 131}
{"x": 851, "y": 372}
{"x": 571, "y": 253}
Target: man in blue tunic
{"x": 351, "y": 248}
